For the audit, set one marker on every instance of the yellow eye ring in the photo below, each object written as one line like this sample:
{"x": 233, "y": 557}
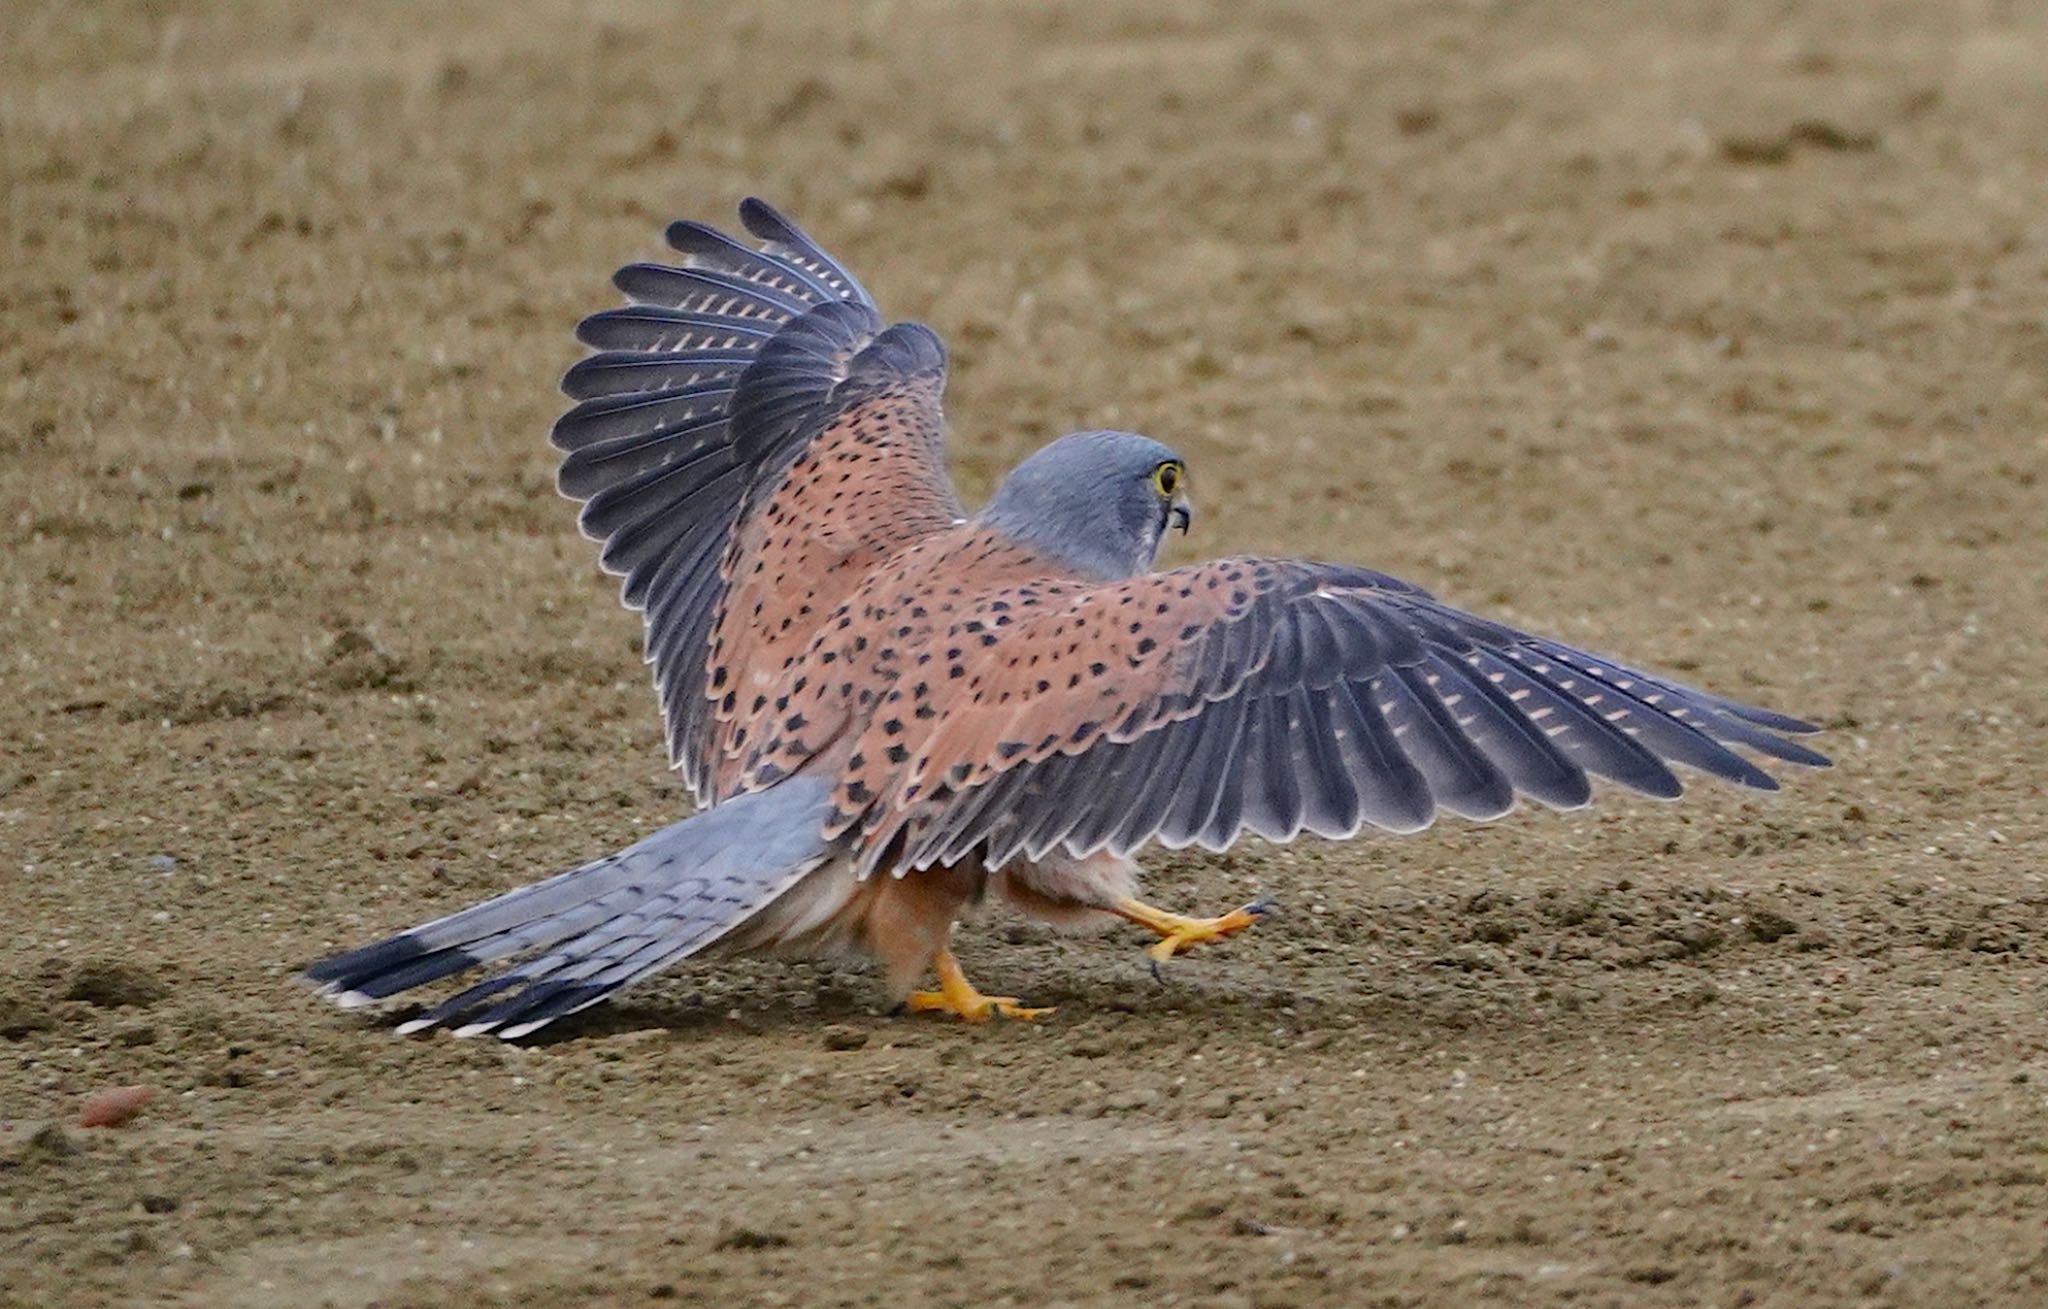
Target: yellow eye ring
{"x": 1166, "y": 479}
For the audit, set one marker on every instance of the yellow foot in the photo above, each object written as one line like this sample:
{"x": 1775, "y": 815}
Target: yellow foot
{"x": 1177, "y": 931}
{"x": 974, "y": 1006}
{"x": 957, "y": 995}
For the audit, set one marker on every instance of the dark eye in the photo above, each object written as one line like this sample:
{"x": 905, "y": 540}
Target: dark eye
{"x": 1166, "y": 479}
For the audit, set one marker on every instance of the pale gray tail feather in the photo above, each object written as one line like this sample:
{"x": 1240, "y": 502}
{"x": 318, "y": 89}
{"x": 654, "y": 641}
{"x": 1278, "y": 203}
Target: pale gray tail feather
{"x": 600, "y": 927}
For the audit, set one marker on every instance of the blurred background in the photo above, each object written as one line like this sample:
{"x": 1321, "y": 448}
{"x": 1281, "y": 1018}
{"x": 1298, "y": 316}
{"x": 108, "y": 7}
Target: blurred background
{"x": 1714, "y": 336}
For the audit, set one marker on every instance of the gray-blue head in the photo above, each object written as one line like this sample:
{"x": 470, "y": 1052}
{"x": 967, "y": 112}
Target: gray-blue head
{"x": 1099, "y": 502}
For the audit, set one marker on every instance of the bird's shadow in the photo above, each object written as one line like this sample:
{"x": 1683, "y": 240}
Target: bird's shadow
{"x": 800, "y": 1000}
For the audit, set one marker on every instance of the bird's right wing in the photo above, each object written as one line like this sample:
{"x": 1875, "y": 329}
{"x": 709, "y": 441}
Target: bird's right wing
{"x": 749, "y": 433}
{"x": 1270, "y": 696}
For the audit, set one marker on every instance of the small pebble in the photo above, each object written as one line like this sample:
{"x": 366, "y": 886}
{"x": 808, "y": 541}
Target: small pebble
{"x": 844, "y": 1038}
{"x": 114, "y": 1106}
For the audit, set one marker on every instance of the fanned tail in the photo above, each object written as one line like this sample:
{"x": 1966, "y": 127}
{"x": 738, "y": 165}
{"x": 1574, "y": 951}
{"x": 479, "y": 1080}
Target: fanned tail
{"x": 588, "y": 932}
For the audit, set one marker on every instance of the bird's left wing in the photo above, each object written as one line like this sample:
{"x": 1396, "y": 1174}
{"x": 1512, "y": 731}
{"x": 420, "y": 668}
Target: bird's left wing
{"x": 1271, "y": 696}
{"x": 748, "y": 428}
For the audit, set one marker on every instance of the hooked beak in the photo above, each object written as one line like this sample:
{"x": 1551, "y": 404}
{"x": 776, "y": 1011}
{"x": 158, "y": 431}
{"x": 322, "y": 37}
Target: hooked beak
{"x": 1180, "y": 515}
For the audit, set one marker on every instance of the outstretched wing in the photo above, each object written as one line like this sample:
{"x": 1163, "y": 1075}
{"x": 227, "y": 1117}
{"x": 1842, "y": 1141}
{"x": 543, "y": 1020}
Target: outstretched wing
{"x": 1267, "y": 696}
{"x": 696, "y": 427}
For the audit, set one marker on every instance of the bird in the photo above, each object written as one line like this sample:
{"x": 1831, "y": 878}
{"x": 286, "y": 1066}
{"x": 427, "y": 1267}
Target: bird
{"x": 889, "y": 709}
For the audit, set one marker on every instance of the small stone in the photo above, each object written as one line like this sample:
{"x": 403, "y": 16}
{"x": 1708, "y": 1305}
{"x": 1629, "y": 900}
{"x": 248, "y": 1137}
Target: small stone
{"x": 749, "y": 1238}
{"x": 841, "y": 1037}
{"x": 1814, "y": 938}
{"x": 1218, "y": 1105}
{"x": 115, "y": 1105}
{"x": 1756, "y": 149}
{"x": 1768, "y": 925}
{"x": 1129, "y": 1101}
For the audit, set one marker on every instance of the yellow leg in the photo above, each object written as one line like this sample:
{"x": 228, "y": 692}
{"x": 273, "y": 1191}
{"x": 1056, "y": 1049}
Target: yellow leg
{"x": 956, "y": 995}
{"x": 1177, "y": 931}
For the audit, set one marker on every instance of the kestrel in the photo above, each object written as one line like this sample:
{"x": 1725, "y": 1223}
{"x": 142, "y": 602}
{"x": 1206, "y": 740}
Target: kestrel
{"x": 889, "y": 708}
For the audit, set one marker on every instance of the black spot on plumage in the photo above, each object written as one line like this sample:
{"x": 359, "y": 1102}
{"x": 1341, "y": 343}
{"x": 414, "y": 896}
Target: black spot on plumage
{"x": 1147, "y": 646}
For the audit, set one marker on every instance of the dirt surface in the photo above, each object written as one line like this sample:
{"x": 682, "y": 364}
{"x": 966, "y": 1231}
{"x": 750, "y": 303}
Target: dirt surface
{"x": 1717, "y": 342}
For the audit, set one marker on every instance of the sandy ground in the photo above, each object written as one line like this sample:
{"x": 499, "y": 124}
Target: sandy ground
{"x": 1718, "y": 342}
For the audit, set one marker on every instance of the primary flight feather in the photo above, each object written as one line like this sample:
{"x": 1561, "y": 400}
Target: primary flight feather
{"x": 890, "y": 708}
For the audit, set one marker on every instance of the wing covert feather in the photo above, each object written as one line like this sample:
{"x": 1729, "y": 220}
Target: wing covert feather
{"x": 1270, "y": 696}
{"x": 688, "y": 435}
